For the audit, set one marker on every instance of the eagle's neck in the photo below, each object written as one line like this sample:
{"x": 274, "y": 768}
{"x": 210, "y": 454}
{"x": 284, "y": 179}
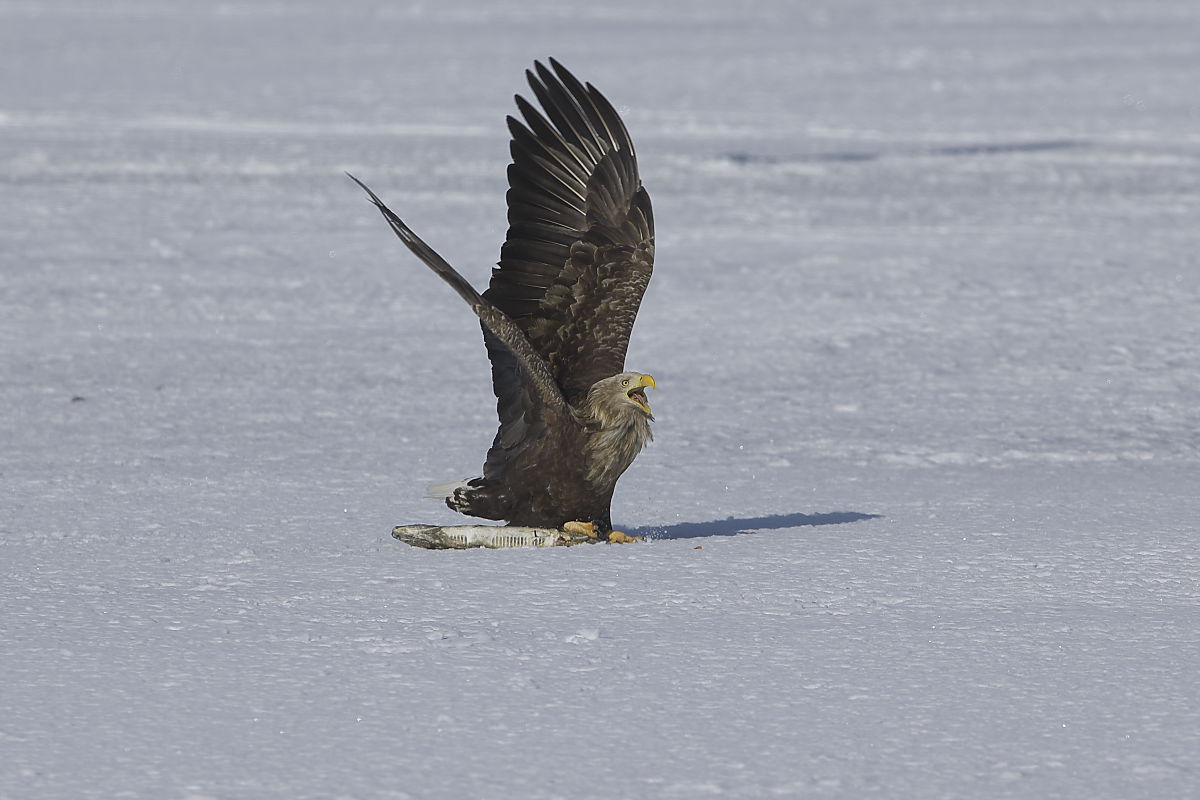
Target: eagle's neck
{"x": 616, "y": 436}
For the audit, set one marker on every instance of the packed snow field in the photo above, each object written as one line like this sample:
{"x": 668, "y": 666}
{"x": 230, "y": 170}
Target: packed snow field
{"x": 922, "y": 504}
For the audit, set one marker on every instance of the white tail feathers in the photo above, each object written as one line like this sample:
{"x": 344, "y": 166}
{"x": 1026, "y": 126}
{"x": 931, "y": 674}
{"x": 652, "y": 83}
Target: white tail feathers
{"x": 440, "y": 491}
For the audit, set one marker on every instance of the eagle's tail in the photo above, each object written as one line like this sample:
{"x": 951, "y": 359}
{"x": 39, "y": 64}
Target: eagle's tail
{"x": 460, "y": 496}
{"x": 440, "y": 491}
{"x": 474, "y": 498}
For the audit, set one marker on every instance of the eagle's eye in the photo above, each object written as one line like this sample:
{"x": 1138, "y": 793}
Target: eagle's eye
{"x": 625, "y": 382}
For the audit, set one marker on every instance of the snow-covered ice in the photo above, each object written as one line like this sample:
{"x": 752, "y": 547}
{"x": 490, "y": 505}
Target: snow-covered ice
{"x": 923, "y": 496}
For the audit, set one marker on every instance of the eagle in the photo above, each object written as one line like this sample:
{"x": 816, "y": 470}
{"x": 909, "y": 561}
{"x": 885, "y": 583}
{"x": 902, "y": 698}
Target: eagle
{"x": 558, "y": 313}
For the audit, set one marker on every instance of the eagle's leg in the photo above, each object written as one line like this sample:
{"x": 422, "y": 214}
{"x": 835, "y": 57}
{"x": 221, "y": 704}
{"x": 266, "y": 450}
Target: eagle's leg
{"x": 588, "y": 529}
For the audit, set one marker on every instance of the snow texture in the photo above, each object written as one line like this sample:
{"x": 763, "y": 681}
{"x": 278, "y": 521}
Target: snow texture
{"x": 923, "y": 496}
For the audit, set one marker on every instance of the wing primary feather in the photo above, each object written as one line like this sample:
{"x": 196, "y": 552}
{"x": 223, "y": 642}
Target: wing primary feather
{"x": 612, "y": 120}
{"x": 541, "y": 135}
{"x": 546, "y": 130}
{"x": 567, "y": 108}
{"x": 588, "y": 92}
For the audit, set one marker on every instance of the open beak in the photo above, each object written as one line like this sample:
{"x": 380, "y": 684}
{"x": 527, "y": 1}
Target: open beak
{"x": 638, "y": 393}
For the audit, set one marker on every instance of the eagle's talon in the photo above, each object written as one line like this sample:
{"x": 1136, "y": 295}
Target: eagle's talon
{"x": 588, "y": 529}
{"x": 578, "y": 528}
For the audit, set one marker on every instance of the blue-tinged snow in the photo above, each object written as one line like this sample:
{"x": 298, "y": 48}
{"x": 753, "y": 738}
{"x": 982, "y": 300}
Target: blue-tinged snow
{"x": 925, "y": 490}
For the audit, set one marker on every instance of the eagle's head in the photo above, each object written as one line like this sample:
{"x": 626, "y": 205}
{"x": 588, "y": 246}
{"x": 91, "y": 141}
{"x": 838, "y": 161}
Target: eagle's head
{"x": 618, "y": 408}
{"x": 621, "y": 392}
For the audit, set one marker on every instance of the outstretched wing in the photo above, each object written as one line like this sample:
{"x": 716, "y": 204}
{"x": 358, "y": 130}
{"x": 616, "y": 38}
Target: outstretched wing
{"x": 580, "y": 246}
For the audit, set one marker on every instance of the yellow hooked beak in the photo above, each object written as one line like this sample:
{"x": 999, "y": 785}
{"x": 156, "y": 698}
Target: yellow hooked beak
{"x": 637, "y": 393}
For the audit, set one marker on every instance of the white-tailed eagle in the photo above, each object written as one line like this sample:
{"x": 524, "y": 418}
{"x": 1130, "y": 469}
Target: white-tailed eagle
{"x": 558, "y": 313}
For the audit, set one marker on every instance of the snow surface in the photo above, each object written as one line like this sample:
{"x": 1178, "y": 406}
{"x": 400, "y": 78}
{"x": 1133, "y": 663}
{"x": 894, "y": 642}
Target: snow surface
{"x": 925, "y": 328}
